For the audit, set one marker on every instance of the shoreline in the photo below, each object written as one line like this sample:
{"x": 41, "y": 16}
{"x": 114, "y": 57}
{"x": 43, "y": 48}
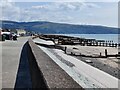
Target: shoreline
{"x": 61, "y": 39}
{"x": 91, "y": 36}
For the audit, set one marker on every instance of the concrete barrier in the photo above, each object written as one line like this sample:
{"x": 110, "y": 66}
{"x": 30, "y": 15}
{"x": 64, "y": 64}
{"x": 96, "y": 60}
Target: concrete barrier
{"x": 45, "y": 73}
{"x": 36, "y": 74}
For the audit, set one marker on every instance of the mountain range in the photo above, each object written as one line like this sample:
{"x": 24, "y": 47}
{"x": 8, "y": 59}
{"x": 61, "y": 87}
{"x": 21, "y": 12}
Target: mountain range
{"x": 45, "y": 27}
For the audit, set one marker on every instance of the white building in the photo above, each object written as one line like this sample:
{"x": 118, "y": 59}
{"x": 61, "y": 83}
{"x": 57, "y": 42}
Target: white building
{"x": 21, "y": 32}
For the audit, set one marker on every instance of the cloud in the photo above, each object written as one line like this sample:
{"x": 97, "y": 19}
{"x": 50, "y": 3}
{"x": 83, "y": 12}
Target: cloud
{"x": 9, "y": 11}
{"x": 68, "y": 12}
{"x": 57, "y": 6}
{"x": 39, "y": 7}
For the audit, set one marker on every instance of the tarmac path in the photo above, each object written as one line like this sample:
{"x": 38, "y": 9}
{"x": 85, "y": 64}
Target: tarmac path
{"x": 0, "y": 65}
{"x": 11, "y": 52}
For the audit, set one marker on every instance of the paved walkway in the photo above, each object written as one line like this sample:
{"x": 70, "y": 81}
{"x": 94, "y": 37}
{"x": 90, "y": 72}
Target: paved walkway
{"x": 23, "y": 79}
{"x": 11, "y": 51}
{"x": 0, "y": 65}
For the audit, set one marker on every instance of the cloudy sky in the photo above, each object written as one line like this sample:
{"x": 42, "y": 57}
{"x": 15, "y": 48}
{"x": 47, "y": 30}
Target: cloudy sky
{"x": 90, "y": 13}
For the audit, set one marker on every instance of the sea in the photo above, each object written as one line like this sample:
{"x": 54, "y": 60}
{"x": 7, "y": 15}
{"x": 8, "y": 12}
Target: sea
{"x": 107, "y": 37}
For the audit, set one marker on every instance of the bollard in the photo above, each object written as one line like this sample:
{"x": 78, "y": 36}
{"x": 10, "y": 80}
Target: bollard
{"x": 100, "y": 44}
{"x": 65, "y": 50}
{"x": 112, "y": 44}
{"x": 106, "y": 44}
{"x": 109, "y": 44}
{"x": 71, "y": 53}
{"x": 105, "y": 52}
{"x": 116, "y": 45}
{"x": 100, "y": 54}
{"x": 103, "y": 44}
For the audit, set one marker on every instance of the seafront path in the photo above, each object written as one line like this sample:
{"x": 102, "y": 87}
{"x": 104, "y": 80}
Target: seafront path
{"x": 20, "y": 70}
{"x": 11, "y": 53}
{"x": 0, "y": 65}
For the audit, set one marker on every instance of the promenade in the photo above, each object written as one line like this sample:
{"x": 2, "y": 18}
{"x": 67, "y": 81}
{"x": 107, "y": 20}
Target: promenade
{"x": 11, "y": 52}
{"x": 27, "y": 65}
{"x": 20, "y": 70}
{"x": 0, "y": 65}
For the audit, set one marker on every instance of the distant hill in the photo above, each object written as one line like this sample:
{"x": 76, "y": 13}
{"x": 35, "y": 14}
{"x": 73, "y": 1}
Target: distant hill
{"x": 58, "y": 28}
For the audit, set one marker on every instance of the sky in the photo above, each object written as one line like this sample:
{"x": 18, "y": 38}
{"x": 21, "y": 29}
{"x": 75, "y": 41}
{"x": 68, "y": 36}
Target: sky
{"x": 84, "y": 12}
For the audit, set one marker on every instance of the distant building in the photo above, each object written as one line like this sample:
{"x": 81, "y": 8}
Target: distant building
{"x": 21, "y": 32}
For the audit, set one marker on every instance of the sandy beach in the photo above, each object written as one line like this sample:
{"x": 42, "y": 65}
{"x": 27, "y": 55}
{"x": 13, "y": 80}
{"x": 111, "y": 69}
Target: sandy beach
{"x": 84, "y": 74}
{"x": 91, "y": 50}
{"x": 109, "y": 65}
{"x": 79, "y": 69}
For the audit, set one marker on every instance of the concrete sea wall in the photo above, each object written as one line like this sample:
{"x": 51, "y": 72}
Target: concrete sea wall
{"x": 45, "y": 73}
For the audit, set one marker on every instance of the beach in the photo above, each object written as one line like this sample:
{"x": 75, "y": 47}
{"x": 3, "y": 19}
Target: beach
{"x": 79, "y": 69}
{"x": 90, "y": 50}
{"x": 109, "y": 65}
